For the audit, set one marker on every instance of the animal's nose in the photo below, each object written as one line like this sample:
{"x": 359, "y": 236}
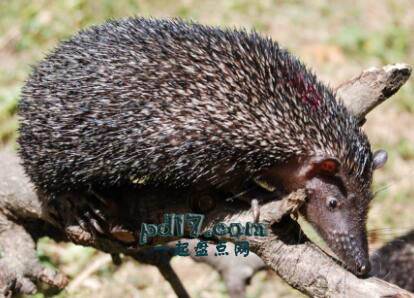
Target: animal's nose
{"x": 363, "y": 268}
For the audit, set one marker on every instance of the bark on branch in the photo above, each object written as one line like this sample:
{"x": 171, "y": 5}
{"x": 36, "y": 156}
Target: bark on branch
{"x": 372, "y": 87}
{"x": 299, "y": 262}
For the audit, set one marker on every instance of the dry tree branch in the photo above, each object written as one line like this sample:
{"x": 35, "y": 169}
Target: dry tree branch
{"x": 372, "y": 87}
{"x": 300, "y": 263}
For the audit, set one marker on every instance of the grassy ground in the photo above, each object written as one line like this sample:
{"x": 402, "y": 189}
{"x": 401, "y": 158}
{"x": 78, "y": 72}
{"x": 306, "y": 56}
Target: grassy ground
{"x": 336, "y": 38}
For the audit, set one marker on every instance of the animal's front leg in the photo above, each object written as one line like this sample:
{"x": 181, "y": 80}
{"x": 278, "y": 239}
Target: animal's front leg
{"x": 84, "y": 215}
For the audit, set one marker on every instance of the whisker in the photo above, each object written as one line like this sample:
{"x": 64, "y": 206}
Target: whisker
{"x": 238, "y": 195}
{"x": 391, "y": 229}
{"x": 383, "y": 188}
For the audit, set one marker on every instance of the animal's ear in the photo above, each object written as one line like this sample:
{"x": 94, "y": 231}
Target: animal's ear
{"x": 380, "y": 158}
{"x": 324, "y": 165}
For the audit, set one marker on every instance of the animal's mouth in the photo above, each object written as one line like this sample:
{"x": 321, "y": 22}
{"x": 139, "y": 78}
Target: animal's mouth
{"x": 362, "y": 268}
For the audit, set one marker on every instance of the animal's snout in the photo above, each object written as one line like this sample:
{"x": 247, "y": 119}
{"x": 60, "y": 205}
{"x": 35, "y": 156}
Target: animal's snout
{"x": 352, "y": 250}
{"x": 362, "y": 268}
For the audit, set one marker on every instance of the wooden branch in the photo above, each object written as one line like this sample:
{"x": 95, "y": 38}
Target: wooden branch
{"x": 372, "y": 87}
{"x": 162, "y": 260}
{"x": 300, "y": 263}
{"x": 19, "y": 266}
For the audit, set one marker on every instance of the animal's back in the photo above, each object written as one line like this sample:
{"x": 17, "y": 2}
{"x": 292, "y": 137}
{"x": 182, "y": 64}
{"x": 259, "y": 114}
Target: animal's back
{"x": 173, "y": 102}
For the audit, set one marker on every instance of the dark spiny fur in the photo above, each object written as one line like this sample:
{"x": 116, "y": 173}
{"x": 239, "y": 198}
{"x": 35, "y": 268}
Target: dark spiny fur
{"x": 176, "y": 103}
{"x": 394, "y": 262}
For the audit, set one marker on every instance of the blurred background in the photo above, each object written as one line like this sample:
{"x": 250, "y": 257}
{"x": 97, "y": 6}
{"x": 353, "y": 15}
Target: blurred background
{"x": 337, "y": 39}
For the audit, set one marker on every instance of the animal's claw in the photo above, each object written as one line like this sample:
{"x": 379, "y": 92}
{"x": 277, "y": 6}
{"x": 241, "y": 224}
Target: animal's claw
{"x": 78, "y": 235}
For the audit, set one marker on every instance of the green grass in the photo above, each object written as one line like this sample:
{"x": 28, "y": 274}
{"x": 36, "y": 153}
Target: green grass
{"x": 392, "y": 43}
{"x": 405, "y": 149}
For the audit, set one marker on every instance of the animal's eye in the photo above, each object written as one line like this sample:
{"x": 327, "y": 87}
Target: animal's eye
{"x": 332, "y": 203}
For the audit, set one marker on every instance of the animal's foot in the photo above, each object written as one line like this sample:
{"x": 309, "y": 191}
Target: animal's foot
{"x": 84, "y": 215}
{"x": 78, "y": 235}
{"x": 122, "y": 234}
{"x": 90, "y": 214}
